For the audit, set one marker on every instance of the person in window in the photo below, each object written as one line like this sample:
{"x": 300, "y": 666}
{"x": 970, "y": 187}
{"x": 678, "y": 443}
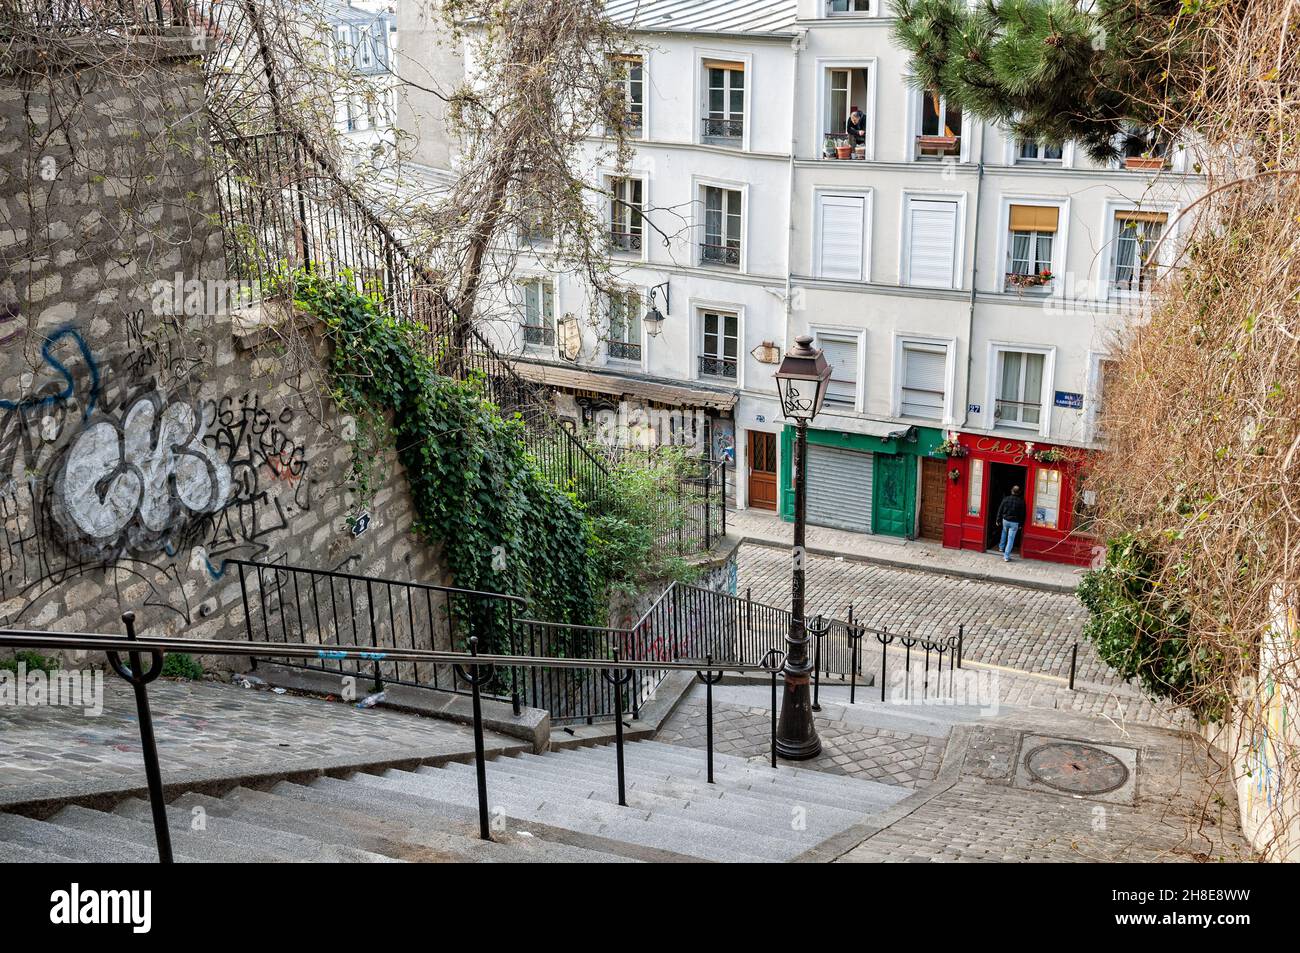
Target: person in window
{"x": 856, "y": 126}
{"x": 1011, "y": 516}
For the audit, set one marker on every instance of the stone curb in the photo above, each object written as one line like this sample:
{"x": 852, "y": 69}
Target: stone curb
{"x": 1033, "y": 584}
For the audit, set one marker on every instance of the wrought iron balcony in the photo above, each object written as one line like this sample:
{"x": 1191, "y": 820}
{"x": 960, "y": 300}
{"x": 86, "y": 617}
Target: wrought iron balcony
{"x": 625, "y": 241}
{"x": 729, "y": 130}
{"x": 718, "y": 367}
{"x": 624, "y": 351}
{"x": 539, "y": 335}
{"x": 728, "y": 254}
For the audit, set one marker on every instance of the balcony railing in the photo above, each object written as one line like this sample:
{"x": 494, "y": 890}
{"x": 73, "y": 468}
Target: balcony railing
{"x": 624, "y": 351}
{"x": 726, "y": 129}
{"x": 938, "y": 147}
{"x": 539, "y": 335}
{"x": 711, "y": 254}
{"x": 1018, "y": 413}
{"x": 718, "y": 367}
{"x": 625, "y": 241}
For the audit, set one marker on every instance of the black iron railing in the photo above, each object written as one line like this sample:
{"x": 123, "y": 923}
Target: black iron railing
{"x": 719, "y": 367}
{"x": 624, "y": 351}
{"x": 79, "y": 15}
{"x": 538, "y": 335}
{"x": 624, "y": 241}
{"x": 472, "y": 668}
{"x": 291, "y": 605}
{"x": 723, "y": 128}
{"x": 720, "y": 254}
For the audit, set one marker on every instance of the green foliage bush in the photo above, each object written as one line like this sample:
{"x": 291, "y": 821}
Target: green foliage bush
{"x": 32, "y": 662}
{"x": 1140, "y": 627}
{"x": 182, "y": 665}
{"x": 502, "y": 525}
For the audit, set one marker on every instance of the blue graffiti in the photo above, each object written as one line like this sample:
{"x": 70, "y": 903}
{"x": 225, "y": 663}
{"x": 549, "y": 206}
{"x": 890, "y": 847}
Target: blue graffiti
{"x": 47, "y": 354}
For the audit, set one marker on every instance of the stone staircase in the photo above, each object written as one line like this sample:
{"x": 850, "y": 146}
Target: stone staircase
{"x": 557, "y": 807}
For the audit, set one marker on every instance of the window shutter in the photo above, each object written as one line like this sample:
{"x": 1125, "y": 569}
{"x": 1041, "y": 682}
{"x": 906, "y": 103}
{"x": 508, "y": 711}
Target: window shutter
{"x": 842, "y": 356}
{"x": 932, "y": 256}
{"x": 1034, "y": 218}
{"x": 924, "y": 377}
{"x": 841, "y": 236}
{"x": 724, "y": 64}
{"x": 1156, "y": 217}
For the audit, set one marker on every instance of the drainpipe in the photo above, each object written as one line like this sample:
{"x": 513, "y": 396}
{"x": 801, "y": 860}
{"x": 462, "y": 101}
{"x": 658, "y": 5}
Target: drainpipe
{"x": 796, "y": 46}
{"x": 974, "y": 272}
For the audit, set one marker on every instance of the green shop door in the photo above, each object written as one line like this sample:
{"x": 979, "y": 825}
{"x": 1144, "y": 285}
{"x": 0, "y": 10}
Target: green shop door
{"x": 893, "y": 511}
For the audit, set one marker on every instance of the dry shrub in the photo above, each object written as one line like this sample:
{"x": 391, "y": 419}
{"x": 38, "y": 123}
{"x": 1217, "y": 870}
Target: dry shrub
{"x": 1202, "y": 415}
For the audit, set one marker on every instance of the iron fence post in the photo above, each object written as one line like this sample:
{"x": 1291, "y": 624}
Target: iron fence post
{"x": 819, "y": 630}
{"x": 1074, "y": 659}
{"x": 961, "y": 642}
{"x": 514, "y": 650}
{"x": 618, "y": 679}
{"x": 138, "y": 678}
{"x": 709, "y": 678}
{"x": 480, "y": 762}
{"x": 774, "y": 718}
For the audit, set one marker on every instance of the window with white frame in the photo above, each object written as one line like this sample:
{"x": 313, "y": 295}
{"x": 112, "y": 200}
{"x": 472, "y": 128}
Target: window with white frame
{"x": 845, "y": 122}
{"x": 923, "y": 380}
{"x": 1143, "y": 148}
{"x": 720, "y": 344}
{"x": 1133, "y": 265}
{"x": 724, "y": 102}
{"x": 722, "y": 222}
{"x": 535, "y": 223}
{"x": 841, "y": 352}
{"x": 538, "y": 317}
{"x": 940, "y": 127}
{"x": 1032, "y": 151}
{"x": 1029, "y": 246}
{"x": 630, "y": 72}
{"x": 624, "y": 342}
{"x": 841, "y": 236}
{"x": 1019, "y": 401}
{"x": 834, "y": 7}
{"x": 931, "y": 243}
{"x": 625, "y": 206}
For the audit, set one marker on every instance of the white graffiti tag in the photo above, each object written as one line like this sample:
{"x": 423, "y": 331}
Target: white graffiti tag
{"x": 150, "y": 467}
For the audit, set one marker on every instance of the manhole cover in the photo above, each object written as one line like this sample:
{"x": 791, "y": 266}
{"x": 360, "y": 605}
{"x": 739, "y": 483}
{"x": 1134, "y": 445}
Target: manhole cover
{"x": 1076, "y": 768}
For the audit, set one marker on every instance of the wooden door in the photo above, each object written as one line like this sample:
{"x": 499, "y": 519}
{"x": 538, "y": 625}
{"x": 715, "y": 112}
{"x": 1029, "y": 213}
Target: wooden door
{"x": 934, "y": 490}
{"x": 762, "y": 470}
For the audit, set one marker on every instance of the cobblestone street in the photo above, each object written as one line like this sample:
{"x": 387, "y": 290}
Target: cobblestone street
{"x": 1027, "y": 629}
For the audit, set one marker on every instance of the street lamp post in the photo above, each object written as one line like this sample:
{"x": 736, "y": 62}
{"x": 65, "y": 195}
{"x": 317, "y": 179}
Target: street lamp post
{"x": 801, "y": 383}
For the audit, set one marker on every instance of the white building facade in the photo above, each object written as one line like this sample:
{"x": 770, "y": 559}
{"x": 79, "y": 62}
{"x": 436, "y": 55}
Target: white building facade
{"x": 966, "y": 287}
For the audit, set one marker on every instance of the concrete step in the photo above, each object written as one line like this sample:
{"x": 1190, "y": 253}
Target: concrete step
{"x": 700, "y": 801}
{"x": 706, "y": 842}
{"x": 850, "y": 794}
{"x": 11, "y": 853}
{"x": 346, "y": 796}
{"x": 425, "y": 842}
{"x": 283, "y": 846}
{"x": 72, "y": 844}
{"x": 187, "y": 846}
{"x": 734, "y": 778}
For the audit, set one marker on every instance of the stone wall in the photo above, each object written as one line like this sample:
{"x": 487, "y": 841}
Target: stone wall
{"x": 148, "y": 432}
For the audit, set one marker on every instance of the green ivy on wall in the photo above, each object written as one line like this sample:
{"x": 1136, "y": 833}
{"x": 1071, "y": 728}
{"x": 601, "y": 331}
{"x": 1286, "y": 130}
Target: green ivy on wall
{"x": 502, "y": 525}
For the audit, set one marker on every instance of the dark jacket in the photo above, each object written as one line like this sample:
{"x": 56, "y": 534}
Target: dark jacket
{"x": 1012, "y": 509}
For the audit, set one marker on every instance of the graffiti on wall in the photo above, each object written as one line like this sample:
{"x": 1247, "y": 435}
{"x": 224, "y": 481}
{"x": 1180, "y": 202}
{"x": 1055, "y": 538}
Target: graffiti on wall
{"x": 109, "y": 466}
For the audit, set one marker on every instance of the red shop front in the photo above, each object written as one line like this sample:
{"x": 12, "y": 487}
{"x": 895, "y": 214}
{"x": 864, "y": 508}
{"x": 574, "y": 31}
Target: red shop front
{"x": 1048, "y": 475}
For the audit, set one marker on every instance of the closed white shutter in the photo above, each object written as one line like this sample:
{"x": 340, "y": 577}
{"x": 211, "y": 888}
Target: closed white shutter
{"x": 932, "y": 253}
{"x": 924, "y": 376}
{"x": 842, "y": 356}
{"x": 841, "y": 243}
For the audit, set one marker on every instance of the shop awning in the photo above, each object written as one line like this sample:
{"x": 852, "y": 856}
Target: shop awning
{"x": 616, "y": 386}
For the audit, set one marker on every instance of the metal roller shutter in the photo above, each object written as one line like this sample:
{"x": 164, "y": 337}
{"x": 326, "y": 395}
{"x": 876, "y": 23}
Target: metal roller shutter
{"x": 839, "y": 488}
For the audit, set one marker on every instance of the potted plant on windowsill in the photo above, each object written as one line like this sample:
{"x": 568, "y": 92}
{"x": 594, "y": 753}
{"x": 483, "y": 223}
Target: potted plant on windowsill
{"x": 1020, "y": 282}
{"x": 1149, "y": 163}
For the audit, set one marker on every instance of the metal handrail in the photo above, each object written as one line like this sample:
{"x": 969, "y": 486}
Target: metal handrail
{"x": 336, "y": 574}
{"x": 470, "y": 667}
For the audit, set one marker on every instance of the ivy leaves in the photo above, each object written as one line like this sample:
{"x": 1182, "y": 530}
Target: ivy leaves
{"x": 503, "y": 527}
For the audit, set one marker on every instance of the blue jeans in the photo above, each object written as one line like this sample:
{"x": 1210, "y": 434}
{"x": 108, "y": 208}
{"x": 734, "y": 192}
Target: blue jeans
{"x": 1009, "y": 530}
